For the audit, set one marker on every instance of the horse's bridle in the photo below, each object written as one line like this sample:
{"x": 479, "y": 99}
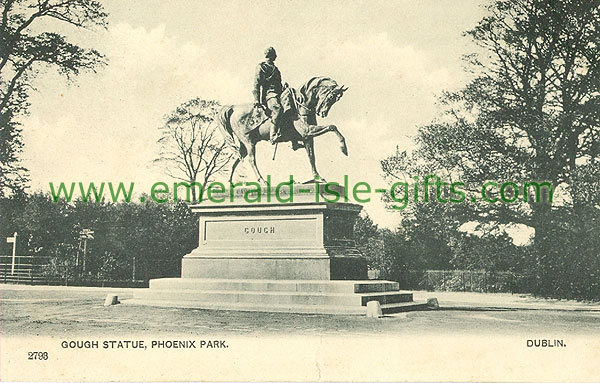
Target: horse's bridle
{"x": 300, "y": 104}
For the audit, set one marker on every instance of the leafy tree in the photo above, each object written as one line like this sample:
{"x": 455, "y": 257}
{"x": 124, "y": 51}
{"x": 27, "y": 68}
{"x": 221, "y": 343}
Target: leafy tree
{"x": 368, "y": 239}
{"x": 490, "y": 252}
{"x": 412, "y": 246}
{"x": 23, "y": 53}
{"x": 153, "y": 236}
{"x": 530, "y": 113}
{"x": 189, "y": 146}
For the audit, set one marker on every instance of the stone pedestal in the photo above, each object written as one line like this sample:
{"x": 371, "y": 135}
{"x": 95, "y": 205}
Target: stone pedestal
{"x": 305, "y": 239}
{"x": 276, "y": 249}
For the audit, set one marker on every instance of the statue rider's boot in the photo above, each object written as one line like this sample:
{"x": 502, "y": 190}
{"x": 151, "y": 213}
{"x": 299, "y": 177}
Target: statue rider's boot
{"x": 274, "y": 133}
{"x": 276, "y": 112}
{"x": 296, "y": 145}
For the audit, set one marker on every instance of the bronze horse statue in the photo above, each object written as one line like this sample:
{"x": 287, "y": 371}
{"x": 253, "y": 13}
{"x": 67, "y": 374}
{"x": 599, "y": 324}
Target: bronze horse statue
{"x": 243, "y": 126}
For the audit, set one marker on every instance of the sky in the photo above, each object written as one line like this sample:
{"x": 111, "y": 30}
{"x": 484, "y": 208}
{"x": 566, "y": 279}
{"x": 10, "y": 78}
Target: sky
{"x": 394, "y": 56}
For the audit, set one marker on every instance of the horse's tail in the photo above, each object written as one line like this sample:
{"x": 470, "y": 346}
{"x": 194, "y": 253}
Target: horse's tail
{"x": 223, "y": 123}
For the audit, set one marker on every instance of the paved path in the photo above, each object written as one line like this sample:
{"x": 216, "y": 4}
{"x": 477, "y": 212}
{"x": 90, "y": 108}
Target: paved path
{"x": 503, "y": 300}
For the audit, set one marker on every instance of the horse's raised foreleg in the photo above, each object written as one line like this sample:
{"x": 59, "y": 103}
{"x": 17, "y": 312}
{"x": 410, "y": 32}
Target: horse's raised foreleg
{"x": 317, "y": 130}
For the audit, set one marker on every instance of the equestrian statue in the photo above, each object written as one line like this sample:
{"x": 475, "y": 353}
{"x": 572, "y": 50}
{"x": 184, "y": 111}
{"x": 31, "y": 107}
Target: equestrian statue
{"x": 280, "y": 114}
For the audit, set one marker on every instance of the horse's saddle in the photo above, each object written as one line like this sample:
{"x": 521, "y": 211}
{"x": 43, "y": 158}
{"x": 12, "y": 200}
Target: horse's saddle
{"x": 260, "y": 115}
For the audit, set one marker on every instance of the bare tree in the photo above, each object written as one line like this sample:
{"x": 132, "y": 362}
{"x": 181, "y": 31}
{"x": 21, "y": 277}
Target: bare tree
{"x": 190, "y": 148}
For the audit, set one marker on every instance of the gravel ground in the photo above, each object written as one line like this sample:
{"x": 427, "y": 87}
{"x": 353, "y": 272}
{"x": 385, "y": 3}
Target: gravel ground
{"x": 79, "y": 311}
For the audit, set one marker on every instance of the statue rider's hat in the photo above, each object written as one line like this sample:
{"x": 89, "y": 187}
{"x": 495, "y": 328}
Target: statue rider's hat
{"x": 270, "y": 52}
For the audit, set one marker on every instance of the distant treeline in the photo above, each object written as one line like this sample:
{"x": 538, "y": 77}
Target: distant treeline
{"x": 130, "y": 240}
{"x": 417, "y": 251}
{"x": 141, "y": 241}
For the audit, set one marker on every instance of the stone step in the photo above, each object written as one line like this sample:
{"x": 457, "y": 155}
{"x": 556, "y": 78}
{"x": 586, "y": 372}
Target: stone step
{"x": 392, "y": 308}
{"x": 297, "y": 309}
{"x": 271, "y": 297}
{"x": 274, "y": 285}
{"x": 287, "y": 308}
{"x": 387, "y": 297}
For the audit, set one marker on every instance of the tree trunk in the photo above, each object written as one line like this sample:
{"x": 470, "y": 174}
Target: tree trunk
{"x": 545, "y": 254}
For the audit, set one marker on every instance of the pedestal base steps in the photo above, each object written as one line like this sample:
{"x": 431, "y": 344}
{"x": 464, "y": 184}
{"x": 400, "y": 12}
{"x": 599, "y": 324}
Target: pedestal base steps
{"x": 292, "y": 296}
{"x": 294, "y": 255}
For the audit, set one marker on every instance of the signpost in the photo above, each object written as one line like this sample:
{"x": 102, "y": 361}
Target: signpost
{"x": 84, "y": 235}
{"x": 13, "y": 240}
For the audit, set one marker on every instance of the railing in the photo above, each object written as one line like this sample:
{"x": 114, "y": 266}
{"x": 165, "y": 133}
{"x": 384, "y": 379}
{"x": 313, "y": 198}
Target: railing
{"x": 466, "y": 280}
{"x": 33, "y": 279}
{"x": 28, "y": 271}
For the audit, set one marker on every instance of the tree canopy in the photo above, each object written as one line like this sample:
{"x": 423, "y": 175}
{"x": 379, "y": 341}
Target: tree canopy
{"x": 531, "y": 112}
{"x": 23, "y": 53}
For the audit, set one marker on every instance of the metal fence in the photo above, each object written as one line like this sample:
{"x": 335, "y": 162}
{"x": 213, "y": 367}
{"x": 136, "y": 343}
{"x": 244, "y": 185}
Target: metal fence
{"x": 29, "y": 270}
{"x": 466, "y": 280}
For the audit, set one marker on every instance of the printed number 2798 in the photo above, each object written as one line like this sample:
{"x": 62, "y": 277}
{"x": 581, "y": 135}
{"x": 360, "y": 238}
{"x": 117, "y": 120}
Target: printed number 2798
{"x": 37, "y": 355}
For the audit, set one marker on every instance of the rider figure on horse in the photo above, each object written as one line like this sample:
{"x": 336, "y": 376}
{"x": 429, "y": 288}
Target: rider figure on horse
{"x": 267, "y": 90}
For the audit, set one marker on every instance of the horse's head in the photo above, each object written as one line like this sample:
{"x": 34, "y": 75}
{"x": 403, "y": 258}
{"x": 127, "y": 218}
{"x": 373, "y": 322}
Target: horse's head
{"x": 321, "y": 93}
